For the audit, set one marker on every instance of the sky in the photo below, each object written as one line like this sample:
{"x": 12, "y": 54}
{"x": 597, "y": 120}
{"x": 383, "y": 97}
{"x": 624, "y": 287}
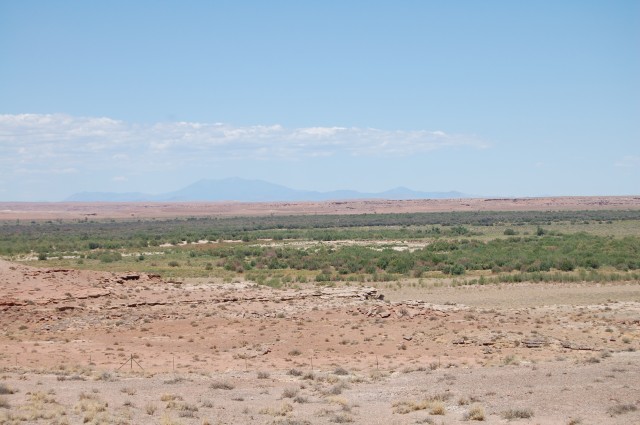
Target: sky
{"x": 489, "y": 98}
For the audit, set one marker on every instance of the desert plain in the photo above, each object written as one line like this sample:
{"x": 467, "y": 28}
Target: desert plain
{"x": 125, "y": 343}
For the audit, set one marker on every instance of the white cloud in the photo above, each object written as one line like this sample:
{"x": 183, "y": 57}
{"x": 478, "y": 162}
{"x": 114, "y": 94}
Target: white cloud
{"x": 629, "y": 161}
{"x": 28, "y": 141}
{"x": 34, "y": 171}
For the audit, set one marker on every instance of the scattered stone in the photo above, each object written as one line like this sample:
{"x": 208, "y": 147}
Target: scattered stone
{"x": 533, "y": 343}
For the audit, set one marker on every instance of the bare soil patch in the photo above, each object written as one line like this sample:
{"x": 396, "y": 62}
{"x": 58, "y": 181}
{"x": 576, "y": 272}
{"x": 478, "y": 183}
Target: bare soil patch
{"x": 96, "y": 347}
{"x": 115, "y": 210}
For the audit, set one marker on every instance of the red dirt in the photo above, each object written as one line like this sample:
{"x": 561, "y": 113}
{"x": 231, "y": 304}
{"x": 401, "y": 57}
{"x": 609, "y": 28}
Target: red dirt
{"x": 115, "y": 210}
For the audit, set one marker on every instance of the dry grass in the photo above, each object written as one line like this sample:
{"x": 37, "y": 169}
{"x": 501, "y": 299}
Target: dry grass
{"x": 168, "y": 420}
{"x": 128, "y": 391}
{"x": 283, "y": 410}
{"x": 170, "y": 397}
{"x": 221, "y": 385}
{"x": 289, "y": 392}
{"x": 340, "y": 418}
{"x": 621, "y": 409}
{"x": 150, "y": 409}
{"x": 92, "y": 408}
{"x": 435, "y": 407}
{"x": 4, "y": 389}
{"x": 4, "y": 403}
{"x": 475, "y": 413}
{"x": 517, "y": 414}
{"x": 187, "y": 410}
{"x": 39, "y": 406}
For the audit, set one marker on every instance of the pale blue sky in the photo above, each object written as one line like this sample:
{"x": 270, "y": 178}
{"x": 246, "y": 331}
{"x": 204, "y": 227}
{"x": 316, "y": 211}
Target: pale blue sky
{"x": 503, "y": 98}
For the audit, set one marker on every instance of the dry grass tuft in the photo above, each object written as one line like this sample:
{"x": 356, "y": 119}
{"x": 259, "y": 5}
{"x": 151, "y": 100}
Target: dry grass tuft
{"x": 437, "y": 408}
{"x": 289, "y": 392}
{"x": 517, "y": 414}
{"x": 340, "y": 418}
{"x": 621, "y": 409}
{"x": 4, "y": 403}
{"x": 221, "y": 385}
{"x": 168, "y": 420}
{"x": 150, "y": 409}
{"x": 128, "y": 391}
{"x": 341, "y": 371}
{"x": 4, "y": 389}
{"x": 476, "y": 413}
{"x": 404, "y": 407}
{"x": 170, "y": 397}
{"x": 283, "y": 410}
{"x": 92, "y": 408}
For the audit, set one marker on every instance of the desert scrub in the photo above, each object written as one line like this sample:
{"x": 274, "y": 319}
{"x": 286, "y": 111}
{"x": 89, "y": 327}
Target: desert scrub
{"x": 4, "y": 389}
{"x": 168, "y": 420}
{"x": 104, "y": 376}
{"x": 377, "y": 375}
{"x": 187, "y": 410}
{"x": 620, "y": 409}
{"x": 294, "y": 372}
{"x": 476, "y": 413}
{"x": 437, "y": 408}
{"x": 221, "y": 385}
{"x": 92, "y": 408}
{"x": 289, "y": 392}
{"x": 340, "y": 371}
{"x": 404, "y": 407}
{"x": 128, "y": 390}
{"x": 435, "y": 405}
{"x": 511, "y": 359}
{"x": 283, "y": 410}
{"x": 340, "y": 418}
{"x": 517, "y": 414}
{"x": 174, "y": 380}
{"x": 337, "y": 388}
{"x": 150, "y": 409}
{"x": 170, "y": 397}
{"x": 300, "y": 399}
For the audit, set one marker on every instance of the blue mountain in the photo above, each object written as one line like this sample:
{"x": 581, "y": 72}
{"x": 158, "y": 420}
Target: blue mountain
{"x": 243, "y": 190}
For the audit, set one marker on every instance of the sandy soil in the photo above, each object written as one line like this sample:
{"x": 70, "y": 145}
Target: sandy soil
{"x": 93, "y": 347}
{"x": 79, "y": 210}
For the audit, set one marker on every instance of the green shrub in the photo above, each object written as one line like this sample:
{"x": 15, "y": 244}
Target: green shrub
{"x": 109, "y": 257}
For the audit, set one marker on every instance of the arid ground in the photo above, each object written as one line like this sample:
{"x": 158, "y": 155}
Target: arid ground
{"x": 81, "y": 346}
{"x": 80, "y": 210}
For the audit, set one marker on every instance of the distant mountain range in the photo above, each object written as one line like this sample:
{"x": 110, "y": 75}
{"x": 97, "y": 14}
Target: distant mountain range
{"x": 237, "y": 189}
